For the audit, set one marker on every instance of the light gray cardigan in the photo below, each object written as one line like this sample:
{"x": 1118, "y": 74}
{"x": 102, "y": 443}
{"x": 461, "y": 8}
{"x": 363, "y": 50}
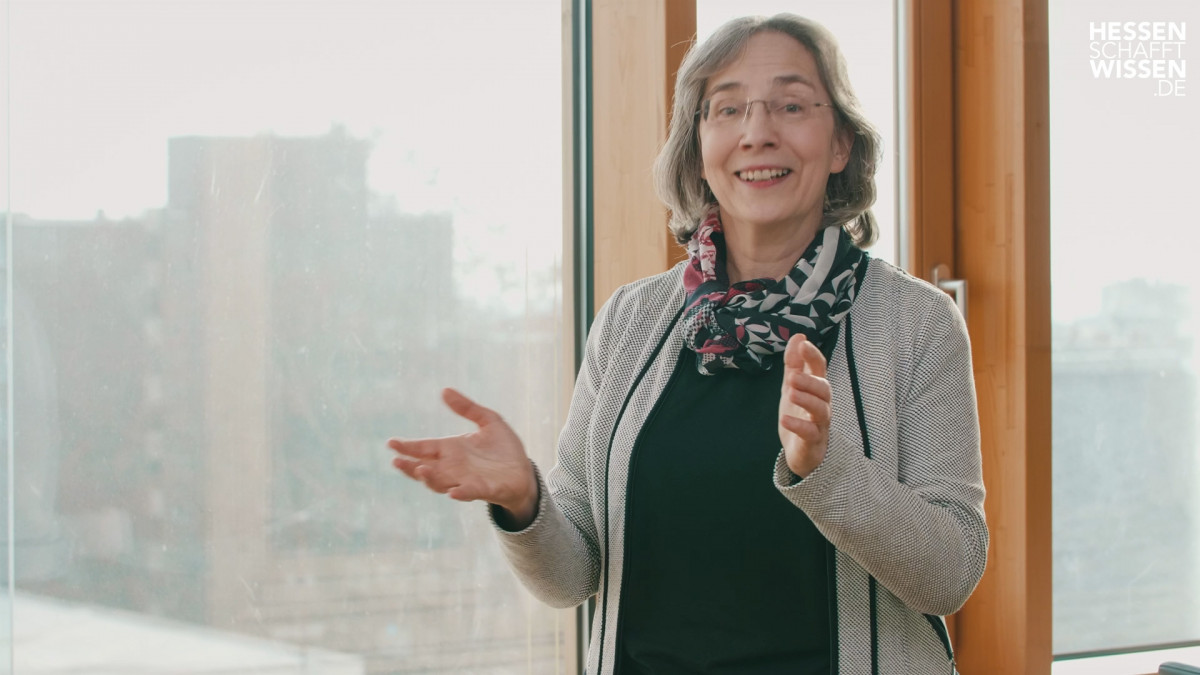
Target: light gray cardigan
{"x": 907, "y": 522}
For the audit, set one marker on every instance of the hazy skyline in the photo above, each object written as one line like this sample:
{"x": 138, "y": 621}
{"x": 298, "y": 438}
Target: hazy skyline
{"x": 97, "y": 88}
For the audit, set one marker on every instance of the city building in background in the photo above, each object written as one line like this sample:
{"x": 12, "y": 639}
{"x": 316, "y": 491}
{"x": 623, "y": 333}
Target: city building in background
{"x": 203, "y": 401}
{"x": 1126, "y": 467}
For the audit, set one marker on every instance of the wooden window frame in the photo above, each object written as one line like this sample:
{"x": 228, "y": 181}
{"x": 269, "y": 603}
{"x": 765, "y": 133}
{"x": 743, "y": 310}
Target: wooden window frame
{"x": 1001, "y": 239}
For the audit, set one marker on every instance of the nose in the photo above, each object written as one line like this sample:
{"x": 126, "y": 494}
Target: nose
{"x": 758, "y": 128}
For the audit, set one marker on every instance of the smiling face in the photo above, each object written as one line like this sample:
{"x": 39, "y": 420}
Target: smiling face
{"x": 769, "y": 171}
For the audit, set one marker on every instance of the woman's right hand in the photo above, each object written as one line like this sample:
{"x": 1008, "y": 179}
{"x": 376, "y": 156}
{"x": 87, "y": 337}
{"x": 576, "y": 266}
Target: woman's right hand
{"x": 488, "y": 464}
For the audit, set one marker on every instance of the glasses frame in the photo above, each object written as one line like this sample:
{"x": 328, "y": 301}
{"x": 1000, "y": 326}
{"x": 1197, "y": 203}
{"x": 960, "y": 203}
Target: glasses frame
{"x": 702, "y": 113}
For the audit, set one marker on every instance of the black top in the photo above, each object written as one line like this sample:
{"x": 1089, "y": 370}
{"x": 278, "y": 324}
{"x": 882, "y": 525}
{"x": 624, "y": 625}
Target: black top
{"x": 722, "y": 574}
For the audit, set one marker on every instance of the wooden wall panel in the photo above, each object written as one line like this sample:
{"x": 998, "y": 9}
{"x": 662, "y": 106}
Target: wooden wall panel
{"x": 636, "y": 49}
{"x": 1002, "y": 215}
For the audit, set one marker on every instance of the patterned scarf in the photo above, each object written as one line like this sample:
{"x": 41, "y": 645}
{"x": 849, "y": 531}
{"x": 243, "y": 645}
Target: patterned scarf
{"x": 742, "y": 325}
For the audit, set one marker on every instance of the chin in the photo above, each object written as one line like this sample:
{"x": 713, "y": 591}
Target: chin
{"x": 772, "y": 221}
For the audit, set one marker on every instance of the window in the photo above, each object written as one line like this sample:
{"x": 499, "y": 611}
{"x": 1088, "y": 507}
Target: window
{"x": 251, "y": 241}
{"x": 1126, "y": 315}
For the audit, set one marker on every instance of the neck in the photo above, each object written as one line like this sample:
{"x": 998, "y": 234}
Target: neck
{"x": 764, "y": 252}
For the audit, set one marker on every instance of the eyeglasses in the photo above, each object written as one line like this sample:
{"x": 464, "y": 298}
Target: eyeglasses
{"x": 728, "y": 111}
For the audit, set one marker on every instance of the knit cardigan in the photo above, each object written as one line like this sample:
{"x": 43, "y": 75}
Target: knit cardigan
{"x": 902, "y": 510}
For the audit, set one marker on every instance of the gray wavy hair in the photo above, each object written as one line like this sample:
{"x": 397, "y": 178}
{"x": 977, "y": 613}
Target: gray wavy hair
{"x": 848, "y": 194}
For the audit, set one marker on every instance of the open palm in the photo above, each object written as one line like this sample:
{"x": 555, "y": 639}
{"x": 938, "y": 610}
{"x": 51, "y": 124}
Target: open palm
{"x": 487, "y": 464}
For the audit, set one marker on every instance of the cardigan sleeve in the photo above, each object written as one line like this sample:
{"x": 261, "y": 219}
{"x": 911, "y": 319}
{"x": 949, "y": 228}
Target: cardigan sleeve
{"x": 557, "y": 556}
{"x": 920, "y": 532}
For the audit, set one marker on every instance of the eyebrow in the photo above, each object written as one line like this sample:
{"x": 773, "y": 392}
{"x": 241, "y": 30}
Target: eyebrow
{"x": 780, "y": 80}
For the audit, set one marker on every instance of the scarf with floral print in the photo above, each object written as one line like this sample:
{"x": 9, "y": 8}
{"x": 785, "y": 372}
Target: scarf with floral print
{"x": 743, "y": 325}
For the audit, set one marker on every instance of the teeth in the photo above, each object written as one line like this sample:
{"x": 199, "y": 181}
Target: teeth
{"x": 762, "y": 174}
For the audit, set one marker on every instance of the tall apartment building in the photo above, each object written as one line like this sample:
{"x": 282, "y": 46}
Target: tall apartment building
{"x": 227, "y": 370}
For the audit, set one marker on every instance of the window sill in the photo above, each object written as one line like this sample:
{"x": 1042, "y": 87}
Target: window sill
{"x": 1139, "y": 663}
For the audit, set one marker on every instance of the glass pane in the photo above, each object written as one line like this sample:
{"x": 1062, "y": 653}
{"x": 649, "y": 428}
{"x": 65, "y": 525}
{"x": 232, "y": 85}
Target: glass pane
{"x": 253, "y": 240}
{"x": 866, "y": 33}
{"x": 1126, "y": 305}
{"x": 5, "y": 368}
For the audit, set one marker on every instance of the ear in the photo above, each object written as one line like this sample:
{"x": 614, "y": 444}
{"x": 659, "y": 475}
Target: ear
{"x": 843, "y": 142}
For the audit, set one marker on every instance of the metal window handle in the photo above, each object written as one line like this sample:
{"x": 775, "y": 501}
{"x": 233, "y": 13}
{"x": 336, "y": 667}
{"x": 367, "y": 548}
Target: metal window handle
{"x": 957, "y": 288}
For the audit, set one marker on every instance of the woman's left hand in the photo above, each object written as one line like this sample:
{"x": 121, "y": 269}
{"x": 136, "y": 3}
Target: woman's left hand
{"x": 804, "y": 406}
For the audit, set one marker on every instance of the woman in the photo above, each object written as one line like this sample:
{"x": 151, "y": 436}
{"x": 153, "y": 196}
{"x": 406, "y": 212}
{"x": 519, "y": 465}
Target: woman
{"x": 711, "y": 549}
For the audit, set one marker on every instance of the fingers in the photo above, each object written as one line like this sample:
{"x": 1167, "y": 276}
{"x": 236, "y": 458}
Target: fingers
{"x": 407, "y": 466}
{"x": 419, "y": 461}
{"x": 818, "y": 410}
{"x": 465, "y": 407}
{"x": 806, "y": 397}
{"x": 800, "y": 381}
{"x": 811, "y": 433}
{"x": 804, "y": 355}
{"x": 434, "y": 479}
{"x": 427, "y": 448}
{"x": 814, "y": 359}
